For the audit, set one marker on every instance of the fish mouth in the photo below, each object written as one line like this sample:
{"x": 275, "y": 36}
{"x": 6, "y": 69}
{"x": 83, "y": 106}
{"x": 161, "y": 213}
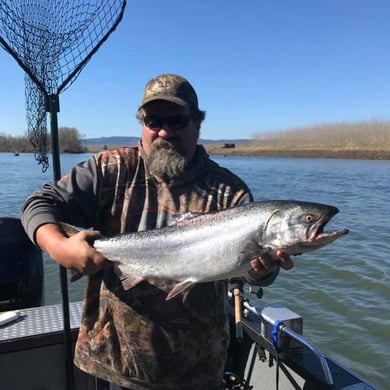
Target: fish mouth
{"x": 318, "y": 237}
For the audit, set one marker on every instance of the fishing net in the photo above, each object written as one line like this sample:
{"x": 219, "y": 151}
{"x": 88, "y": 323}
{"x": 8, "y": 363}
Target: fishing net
{"x": 37, "y": 121}
{"x": 52, "y": 40}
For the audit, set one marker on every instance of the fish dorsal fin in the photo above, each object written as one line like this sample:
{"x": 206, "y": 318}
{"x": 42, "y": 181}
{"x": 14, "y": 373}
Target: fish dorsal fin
{"x": 178, "y": 218}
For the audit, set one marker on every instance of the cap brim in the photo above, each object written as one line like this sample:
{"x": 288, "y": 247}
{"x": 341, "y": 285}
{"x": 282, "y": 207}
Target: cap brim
{"x": 172, "y": 99}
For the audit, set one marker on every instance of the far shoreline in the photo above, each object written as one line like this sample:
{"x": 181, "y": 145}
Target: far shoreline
{"x": 253, "y": 150}
{"x": 247, "y": 150}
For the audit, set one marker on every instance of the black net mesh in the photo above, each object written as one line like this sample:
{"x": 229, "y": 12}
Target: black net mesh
{"x": 52, "y": 40}
{"x": 37, "y": 121}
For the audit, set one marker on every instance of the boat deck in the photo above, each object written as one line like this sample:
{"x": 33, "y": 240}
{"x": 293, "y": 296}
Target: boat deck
{"x": 33, "y": 356}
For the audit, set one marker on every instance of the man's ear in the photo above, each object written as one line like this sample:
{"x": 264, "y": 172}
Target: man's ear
{"x": 198, "y": 130}
{"x": 197, "y": 124}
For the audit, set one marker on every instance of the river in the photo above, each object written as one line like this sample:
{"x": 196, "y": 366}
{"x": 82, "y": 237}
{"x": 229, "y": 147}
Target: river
{"x": 342, "y": 291}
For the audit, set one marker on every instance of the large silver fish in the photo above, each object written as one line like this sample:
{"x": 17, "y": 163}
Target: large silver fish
{"x": 218, "y": 245}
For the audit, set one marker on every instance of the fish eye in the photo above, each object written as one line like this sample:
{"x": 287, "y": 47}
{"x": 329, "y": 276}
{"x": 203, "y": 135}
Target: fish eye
{"x": 309, "y": 218}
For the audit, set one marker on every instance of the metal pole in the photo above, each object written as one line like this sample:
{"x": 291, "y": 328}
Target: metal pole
{"x": 52, "y": 106}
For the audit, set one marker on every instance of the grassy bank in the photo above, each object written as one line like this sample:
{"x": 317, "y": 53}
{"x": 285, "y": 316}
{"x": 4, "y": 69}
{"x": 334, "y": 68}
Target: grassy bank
{"x": 366, "y": 140}
{"x": 364, "y": 152}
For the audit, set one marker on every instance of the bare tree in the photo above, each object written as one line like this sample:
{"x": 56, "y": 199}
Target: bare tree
{"x": 69, "y": 139}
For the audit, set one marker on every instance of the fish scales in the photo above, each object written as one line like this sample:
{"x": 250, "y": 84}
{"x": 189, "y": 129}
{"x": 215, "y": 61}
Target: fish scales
{"x": 168, "y": 252}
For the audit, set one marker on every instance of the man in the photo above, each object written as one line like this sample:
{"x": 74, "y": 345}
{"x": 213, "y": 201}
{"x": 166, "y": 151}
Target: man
{"x": 136, "y": 339}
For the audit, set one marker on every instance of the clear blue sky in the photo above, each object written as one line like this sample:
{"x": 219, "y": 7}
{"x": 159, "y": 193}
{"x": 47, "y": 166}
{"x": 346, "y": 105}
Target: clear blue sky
{"x": 256, "y": 65}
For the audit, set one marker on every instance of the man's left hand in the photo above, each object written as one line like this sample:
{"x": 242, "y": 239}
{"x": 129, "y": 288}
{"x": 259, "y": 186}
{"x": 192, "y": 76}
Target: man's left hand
{"x": 269, "y": 263}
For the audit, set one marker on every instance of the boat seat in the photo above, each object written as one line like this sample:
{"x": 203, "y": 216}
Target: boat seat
{"x": 21, "y": 267}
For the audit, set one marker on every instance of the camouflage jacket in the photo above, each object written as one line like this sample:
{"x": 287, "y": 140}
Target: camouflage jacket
{"x": 135, "y": 338}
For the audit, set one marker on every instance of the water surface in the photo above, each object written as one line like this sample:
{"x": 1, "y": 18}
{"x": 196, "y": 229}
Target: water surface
{"x": 342, "y": 291}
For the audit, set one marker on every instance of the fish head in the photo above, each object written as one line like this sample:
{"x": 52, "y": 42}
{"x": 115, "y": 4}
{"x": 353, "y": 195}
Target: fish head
{"x": 298, "y": 227}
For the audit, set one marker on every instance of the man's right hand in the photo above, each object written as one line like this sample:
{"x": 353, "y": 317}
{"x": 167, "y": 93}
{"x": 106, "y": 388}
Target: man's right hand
{"x": 74, "y": 252}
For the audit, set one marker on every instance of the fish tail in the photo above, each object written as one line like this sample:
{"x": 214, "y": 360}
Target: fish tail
{"x": 75, "y": 275}
{"x": 69, "y": 230}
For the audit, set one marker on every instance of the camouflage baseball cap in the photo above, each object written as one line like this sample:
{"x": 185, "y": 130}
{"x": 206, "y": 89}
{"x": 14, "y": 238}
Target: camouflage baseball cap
{"x": 170, "y": 87}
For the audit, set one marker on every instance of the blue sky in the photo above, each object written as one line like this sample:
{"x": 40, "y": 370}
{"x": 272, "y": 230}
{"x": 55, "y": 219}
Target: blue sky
{"x": 256, "y": 65}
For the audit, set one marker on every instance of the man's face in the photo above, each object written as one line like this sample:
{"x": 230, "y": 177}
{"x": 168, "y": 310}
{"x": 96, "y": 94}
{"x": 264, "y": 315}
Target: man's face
{"x": 169, "y": 138}
{"x": 184, "y": 138}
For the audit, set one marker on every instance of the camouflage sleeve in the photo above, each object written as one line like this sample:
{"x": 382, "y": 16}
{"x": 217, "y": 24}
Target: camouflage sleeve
{"x": 72, "y": 199}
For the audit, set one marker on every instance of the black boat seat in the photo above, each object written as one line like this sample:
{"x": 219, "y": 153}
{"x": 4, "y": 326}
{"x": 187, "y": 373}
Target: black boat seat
{"x": 21, "y": 267}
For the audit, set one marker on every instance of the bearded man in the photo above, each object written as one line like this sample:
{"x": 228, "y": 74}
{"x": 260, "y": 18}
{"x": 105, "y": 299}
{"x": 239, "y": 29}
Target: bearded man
{"x": 135, "y": 339}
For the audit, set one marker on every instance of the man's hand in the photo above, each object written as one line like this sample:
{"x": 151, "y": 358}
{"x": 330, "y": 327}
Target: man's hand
{"x": 269, "y": 263}
{"x": 75, "y": 252}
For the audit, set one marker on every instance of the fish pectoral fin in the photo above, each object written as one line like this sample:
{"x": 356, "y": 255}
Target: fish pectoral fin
{"x": 180, "y": 288}
{"x": 127, "y": 280}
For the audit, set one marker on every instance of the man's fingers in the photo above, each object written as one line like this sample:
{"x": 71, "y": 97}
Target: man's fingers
{"x": 285, "y": 260}
{"x": 255, "y": 265}
{"x": 262, "y": 263}
{"x": 91, "y": 235}
{"x": 270, "y": 262}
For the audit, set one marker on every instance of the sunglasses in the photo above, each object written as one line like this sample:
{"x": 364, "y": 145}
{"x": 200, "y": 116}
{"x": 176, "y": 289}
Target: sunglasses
{"x": 175, "y": 122}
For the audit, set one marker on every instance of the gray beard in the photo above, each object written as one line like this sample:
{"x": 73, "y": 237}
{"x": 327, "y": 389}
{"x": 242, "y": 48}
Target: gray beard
{"x": 165, "y": 160}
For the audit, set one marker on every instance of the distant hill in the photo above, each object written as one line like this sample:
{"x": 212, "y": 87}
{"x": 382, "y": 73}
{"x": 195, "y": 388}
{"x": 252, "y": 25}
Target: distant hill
{"x": 115, "y": 140}
{"x": 122, "y": 141}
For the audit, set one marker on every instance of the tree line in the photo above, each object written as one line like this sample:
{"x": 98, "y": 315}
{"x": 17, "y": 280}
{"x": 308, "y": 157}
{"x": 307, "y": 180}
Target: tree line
{"x": 342, "y": 134}
{"x": 69, "y": 142}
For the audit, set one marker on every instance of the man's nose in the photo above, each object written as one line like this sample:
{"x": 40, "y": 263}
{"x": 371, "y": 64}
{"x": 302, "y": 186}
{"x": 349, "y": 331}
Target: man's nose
{"x": 166, "y": 132}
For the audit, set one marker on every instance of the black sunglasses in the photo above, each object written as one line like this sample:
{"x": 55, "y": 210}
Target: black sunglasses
{"x": 175, "y": 122}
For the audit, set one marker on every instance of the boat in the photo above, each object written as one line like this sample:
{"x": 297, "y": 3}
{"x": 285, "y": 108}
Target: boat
{"x": 16, "y": 153}
{"x": 267, "y": 351}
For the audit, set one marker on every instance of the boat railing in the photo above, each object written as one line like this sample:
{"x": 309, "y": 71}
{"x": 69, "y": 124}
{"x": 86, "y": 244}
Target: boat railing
{"x": 278, "y": 331}
{"x": 283, "y": 340}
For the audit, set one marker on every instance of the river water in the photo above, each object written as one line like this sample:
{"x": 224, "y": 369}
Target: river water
{"x": 342, "y": 291}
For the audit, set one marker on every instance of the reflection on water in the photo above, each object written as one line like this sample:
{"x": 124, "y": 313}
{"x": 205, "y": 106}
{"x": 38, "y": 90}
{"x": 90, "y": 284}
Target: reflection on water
{"x": 342, "y": 291}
